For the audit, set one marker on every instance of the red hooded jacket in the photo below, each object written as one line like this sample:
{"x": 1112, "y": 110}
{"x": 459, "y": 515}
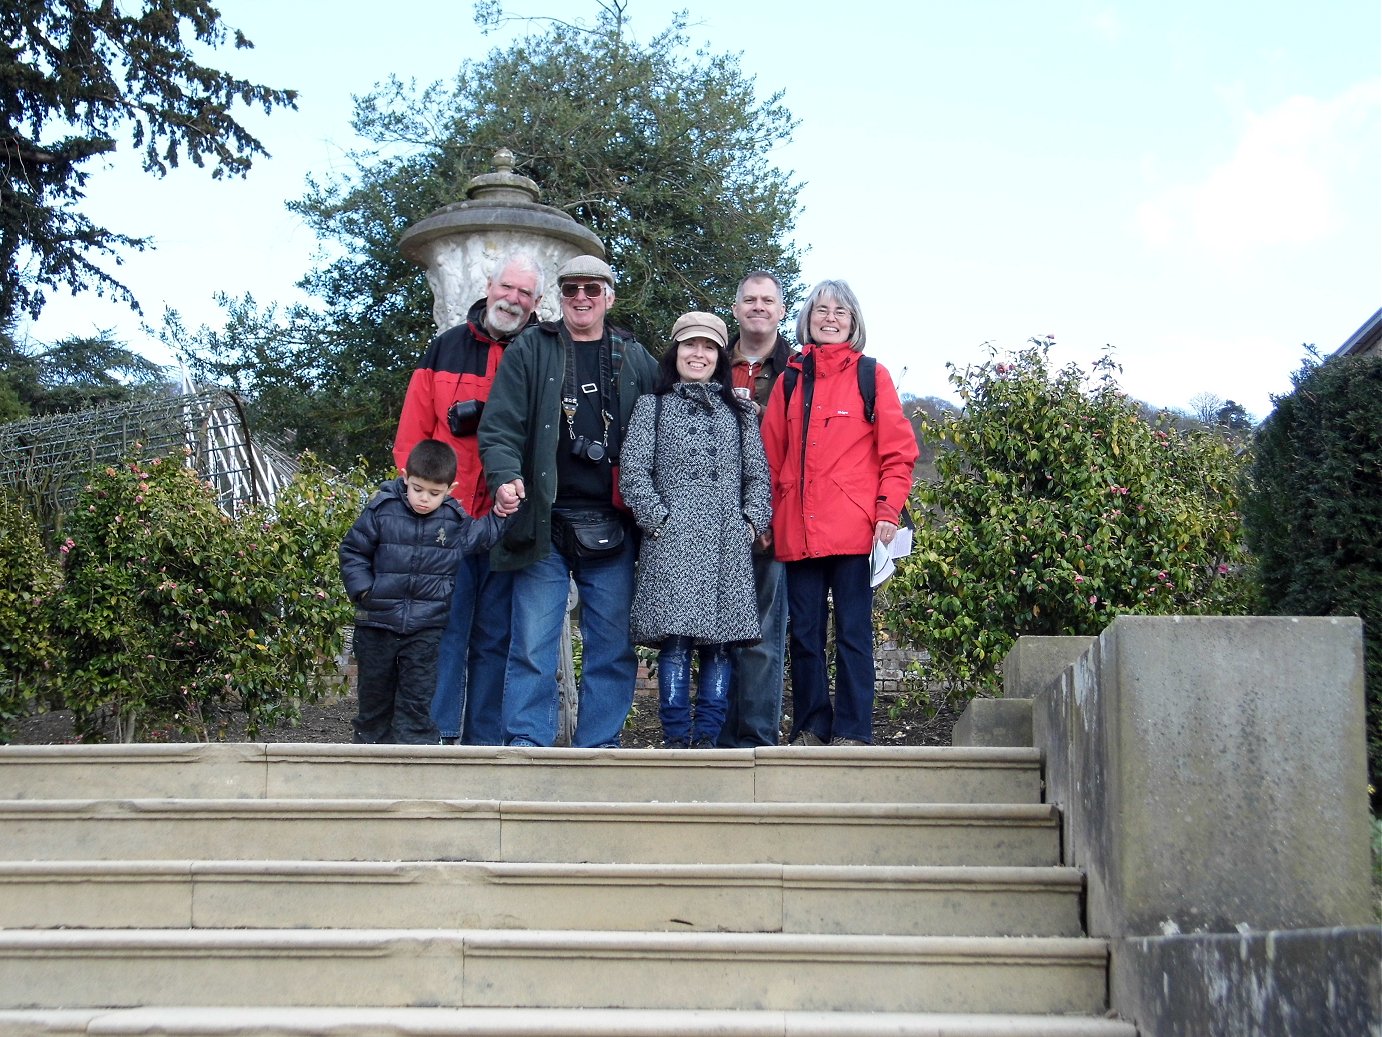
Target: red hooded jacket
{"x": 851, "y": 474}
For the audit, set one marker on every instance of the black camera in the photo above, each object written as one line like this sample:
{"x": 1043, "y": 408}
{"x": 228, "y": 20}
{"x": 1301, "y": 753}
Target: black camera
{"x": 464, "y": 417}
{"x": 588, "y": 449}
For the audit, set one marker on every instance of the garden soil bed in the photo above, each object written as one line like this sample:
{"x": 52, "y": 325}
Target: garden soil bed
{"x": 895, "y": 723}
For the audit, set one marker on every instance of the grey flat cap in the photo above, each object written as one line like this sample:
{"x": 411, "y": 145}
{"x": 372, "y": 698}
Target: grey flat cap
{"x": 586, "y": 266}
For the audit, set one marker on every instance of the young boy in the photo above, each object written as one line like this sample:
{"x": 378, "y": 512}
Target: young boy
{"x": 398, "y": 563}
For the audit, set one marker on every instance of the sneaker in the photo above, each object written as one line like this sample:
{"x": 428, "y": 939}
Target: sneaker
{"x": 676, "y": 743}
{"x": 447, "y": 740}
{"x": 807, "y": 738}
{"x": 703, "y": 743}
{"x": 847, "y": 741}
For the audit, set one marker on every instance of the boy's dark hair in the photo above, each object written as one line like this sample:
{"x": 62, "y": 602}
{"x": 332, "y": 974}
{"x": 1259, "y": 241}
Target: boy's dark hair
{"x": 432, "y": 460}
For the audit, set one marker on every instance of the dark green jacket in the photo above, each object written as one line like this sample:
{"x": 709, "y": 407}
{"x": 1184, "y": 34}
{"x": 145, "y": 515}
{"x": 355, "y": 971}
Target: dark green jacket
{"x": 522, "y": 427}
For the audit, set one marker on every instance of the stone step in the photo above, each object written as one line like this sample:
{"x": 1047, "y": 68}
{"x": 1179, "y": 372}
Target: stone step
{"x": 880, "y": 834}
{"x": 550, "y": 969}
{"x": 288, "y": 771}
{"x": 538, "y": 1022}
{"x": 768, "y": 898}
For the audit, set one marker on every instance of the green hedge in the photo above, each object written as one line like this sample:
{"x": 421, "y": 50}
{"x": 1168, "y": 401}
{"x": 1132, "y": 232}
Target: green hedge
{"x": 1314, "y": 510}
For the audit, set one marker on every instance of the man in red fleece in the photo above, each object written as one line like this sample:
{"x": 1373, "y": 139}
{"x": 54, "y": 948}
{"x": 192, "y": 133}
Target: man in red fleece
{"x": 445, "y": 398}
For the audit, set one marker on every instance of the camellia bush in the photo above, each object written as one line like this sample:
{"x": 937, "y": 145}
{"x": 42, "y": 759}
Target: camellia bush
{"x": 1057, "y": 507}
{"x": 29, "y": 581}
{"x": 176, "y": 616}
{"x": 1314, "y": 510}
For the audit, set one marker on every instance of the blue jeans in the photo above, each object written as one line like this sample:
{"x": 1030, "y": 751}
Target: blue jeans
{"x": 474, "y": 652}
{"x": 674, "y": 691}
{"x": 608, "y": 664}
{"x": 755, "y": 701}
{"x": 810, "y": 586}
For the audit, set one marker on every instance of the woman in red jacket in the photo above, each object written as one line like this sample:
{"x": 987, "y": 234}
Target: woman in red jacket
{"x": 840, "y": 481}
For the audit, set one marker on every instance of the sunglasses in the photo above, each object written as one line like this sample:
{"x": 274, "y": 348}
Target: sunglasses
{"x": 592, "y": 289}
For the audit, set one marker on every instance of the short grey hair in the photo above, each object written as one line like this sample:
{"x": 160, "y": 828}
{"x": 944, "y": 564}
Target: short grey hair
{"x": 840, "y": 293}
{"x": 758, "y": 275}
{"x": 524, "y": 261}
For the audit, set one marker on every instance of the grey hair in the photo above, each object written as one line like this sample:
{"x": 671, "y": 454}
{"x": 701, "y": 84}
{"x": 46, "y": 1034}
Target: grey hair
{"x": 524, "y": 261}
{"x": 842, "y": 294}
{"x": 758, "y": 275}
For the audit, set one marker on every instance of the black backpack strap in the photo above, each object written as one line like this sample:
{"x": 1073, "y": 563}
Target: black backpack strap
{"x": 866, "y": 371}
{"x": 808, "y": 368}
{"x": 789, "y": 382}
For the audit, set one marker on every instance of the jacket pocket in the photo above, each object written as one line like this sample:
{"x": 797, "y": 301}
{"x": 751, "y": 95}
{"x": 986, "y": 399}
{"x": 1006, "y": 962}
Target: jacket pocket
{"x": 522, "y": 529}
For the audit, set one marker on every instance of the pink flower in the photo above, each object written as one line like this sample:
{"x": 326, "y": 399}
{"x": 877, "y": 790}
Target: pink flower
{"x": 1223, "y": 569}
{"x": 1079, "y": 579}
{"x": 1094, "y": 599}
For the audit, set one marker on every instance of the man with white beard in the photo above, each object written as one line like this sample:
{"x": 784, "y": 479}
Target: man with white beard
{"x": 445, "y": 398}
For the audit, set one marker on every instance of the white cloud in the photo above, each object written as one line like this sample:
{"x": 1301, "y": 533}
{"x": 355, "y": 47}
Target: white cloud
{"x": 1279, "y": 187}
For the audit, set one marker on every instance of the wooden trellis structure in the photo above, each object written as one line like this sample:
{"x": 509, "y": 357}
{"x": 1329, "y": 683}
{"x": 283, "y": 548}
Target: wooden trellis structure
{"x": 45, "y": 460}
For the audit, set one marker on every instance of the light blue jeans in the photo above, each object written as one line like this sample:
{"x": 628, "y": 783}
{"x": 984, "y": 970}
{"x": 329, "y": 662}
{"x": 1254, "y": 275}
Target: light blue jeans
{"x": 608, "y": 663}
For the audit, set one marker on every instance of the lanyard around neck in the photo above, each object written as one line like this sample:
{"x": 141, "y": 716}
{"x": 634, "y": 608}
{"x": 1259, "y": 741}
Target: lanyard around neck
{"x": 570, "y": 401}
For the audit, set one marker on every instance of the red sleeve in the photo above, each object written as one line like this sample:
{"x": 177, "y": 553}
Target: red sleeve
{"x": 417, "y": 421}
{"x": 897, "y": 450}
{"x": 774, "y": 428}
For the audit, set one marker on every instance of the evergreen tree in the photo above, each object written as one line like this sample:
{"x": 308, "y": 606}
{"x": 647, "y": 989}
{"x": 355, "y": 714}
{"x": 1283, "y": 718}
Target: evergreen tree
{"x": 74, "y": 73}
{"x": 662, "y": 152}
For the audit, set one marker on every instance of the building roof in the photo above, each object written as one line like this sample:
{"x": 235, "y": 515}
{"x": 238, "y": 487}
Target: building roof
{"x": 1364, "y": 340}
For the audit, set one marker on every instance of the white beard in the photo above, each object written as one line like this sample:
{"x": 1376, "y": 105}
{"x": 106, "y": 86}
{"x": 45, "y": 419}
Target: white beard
{"x": 503, "y": 318}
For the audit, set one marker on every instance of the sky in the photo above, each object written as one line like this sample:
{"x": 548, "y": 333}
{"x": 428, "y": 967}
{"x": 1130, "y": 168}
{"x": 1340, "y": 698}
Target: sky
{"x": 1193, "y": 188}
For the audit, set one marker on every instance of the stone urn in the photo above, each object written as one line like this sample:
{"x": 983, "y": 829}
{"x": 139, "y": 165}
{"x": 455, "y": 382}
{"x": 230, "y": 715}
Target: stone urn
{"x": 460, "y": 243}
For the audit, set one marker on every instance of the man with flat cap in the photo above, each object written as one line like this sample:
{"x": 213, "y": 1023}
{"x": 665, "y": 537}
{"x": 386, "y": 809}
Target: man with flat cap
{"x": 550, "y": 437}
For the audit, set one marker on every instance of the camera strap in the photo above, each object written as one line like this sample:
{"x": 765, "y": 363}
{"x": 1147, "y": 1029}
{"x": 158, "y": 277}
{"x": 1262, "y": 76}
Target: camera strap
{"x": 570, "y": 401}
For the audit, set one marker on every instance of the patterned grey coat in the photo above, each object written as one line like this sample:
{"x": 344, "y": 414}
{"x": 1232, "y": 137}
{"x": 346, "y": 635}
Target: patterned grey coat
{"x": 694, "y": 490}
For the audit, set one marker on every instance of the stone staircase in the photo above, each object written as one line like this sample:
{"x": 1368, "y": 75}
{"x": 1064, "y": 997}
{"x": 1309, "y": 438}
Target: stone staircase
{"x": 331, "y": 889}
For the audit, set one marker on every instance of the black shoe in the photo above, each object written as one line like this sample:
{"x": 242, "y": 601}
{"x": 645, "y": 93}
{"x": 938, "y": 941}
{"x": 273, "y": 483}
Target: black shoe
{"x": 676, "y": 743}
{"x": 703, "y": 743}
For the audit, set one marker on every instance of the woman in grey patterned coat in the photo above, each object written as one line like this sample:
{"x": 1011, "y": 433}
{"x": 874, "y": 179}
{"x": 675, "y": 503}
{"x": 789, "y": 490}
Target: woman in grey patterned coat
{"x": 692, "y": 471}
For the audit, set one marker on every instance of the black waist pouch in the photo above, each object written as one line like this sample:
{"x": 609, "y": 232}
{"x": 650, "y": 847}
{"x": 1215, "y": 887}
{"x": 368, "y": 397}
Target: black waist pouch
{"x": 587, "y": 534}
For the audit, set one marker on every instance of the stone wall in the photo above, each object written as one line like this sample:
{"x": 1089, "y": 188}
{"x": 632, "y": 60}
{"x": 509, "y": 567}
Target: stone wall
{"x": 1211, "y": 779}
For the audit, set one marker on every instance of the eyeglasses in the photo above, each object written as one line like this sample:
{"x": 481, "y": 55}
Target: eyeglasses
{"x": 838, "y": 312}
{"x": 592, "y": 289}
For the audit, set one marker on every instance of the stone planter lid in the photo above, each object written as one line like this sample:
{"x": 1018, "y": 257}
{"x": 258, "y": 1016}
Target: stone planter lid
{"x": 499, "y": 201}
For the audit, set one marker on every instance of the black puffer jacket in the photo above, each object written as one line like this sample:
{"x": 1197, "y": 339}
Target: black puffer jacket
{"x": 399, "y": 567}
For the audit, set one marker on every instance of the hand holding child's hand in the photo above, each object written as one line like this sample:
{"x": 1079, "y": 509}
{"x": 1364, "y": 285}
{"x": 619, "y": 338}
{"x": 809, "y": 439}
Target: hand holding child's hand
{"x": 507, "y": 498}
